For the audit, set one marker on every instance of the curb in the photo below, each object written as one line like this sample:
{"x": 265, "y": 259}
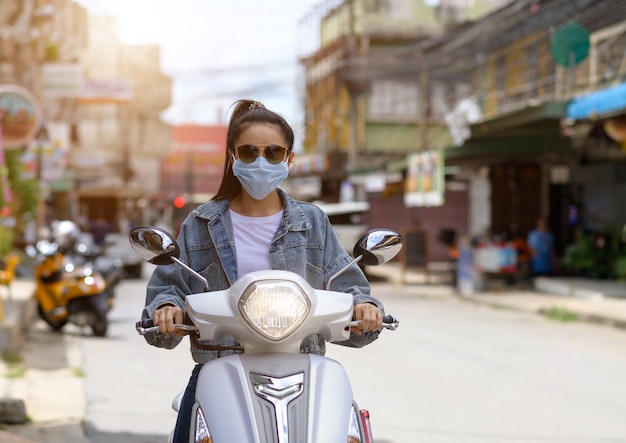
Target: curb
{"x": 591, "y": 318}
{"x": 556, "y": 309}
{"x": 584, "y": 302}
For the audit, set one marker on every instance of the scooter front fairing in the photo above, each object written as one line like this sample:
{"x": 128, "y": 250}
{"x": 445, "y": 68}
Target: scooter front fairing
{"x": 293, "y": 397}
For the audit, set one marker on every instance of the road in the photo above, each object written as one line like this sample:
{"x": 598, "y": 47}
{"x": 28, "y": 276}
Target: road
{"x": 130, "y": 385}
{"x": 453, "y": 372}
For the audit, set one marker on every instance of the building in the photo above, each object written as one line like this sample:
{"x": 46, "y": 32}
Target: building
{"x": 518, "y": 69}
{"x": 100, "y": 139}
{"x": 523, "y": 103}
{"x": 192, "y": 171}
{"x": 120, "y": 139}
{"x": 36, "y": 35}
{"x": 365, "y": 106}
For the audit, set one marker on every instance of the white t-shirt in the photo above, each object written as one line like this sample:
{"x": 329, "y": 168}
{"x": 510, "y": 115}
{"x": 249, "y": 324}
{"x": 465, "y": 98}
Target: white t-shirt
{"x": 253, "y": 236}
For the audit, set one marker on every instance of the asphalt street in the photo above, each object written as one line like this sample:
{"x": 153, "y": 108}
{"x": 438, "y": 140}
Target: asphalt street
{"x": 453, "y": 372}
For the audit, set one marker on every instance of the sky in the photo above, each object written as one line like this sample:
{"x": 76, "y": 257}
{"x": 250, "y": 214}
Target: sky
{"x": 219, "y": 51}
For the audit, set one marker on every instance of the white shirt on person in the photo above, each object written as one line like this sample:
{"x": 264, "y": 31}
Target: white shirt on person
{"x": 253, "y": 236}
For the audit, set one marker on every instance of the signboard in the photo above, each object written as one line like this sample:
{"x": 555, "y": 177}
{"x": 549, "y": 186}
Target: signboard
{"x": 67, "y": 80}
{"x": 20, "y": 115}
{"x": 424, "y": 185}
{"x": 106, "y": 91}
{"x": 61, "y": 80}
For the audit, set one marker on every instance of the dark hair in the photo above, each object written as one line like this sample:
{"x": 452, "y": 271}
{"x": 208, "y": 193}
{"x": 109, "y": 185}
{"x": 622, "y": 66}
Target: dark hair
{"x": 246, "y": 113}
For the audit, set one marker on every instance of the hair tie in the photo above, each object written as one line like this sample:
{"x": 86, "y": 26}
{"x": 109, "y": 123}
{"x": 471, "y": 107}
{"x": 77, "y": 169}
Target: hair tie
{"x": 256, "y": 105}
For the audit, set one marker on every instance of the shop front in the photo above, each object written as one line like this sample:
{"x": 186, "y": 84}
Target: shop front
{"x": 512, "y": 164}
{"x": 599, "y": 249}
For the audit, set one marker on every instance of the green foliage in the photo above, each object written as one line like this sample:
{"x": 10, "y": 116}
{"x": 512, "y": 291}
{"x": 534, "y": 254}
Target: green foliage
{"x": 25, "y": 192}
{"x": 7, "y": 238}
{"x": 620, "y": 267}
{"x": 14, "y": 366}
{"x": 24, "y": 195}
{"x": 14, "y": 371}
{"x": 560, "y": 314}
{"x": 599, "y": 254}
{"x": 579, "y": 255}
{"x": 11, "y": 357}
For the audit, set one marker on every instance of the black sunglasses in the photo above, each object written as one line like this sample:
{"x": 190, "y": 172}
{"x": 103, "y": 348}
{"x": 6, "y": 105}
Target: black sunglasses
{"x": 273, "y": 153}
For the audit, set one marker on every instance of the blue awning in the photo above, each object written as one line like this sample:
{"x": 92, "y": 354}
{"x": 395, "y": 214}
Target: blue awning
{"x": 598, "y": 104}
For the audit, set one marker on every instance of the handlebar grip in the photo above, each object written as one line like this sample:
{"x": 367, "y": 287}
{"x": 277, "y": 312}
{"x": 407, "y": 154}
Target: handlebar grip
{"x": 389, "y": 319}
{"x": 145, "y": 323}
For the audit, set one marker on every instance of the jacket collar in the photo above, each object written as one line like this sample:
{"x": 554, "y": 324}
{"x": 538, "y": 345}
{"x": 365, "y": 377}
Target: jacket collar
{"x": 294, "y": 218}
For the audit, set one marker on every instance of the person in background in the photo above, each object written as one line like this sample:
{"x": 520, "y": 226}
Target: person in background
{"x": 522, "y": 251}
{"x": 100, "y": 227}
{"x": 541, "y": 246}
{"x": 251, "y": 225}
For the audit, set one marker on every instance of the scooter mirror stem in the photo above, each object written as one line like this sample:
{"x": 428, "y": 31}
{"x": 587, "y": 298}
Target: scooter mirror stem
{"x": 342, "y": 270}
{"x": 192, "y": 272}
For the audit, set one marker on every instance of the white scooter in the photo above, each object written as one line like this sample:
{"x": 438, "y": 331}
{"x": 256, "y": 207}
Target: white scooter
{"x": 272, "y": 392}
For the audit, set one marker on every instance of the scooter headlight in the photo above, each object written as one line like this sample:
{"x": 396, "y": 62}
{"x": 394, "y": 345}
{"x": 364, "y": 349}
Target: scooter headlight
{"x": 274, "y": 308}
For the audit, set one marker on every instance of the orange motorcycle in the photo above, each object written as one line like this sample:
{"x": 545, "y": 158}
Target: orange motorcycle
{"x": 66, "y": 293}
{"x": 7, "y": 270}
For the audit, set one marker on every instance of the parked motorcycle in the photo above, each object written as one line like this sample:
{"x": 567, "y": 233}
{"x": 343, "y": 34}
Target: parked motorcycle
{"x": 66, "y": 292}
{"x": 111, "y": 268}
{"x": 271, "y": 392}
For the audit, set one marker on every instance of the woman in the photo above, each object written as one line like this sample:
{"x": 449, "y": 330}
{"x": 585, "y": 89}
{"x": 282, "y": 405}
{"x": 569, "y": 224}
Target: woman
{"x": 253, "y": 225}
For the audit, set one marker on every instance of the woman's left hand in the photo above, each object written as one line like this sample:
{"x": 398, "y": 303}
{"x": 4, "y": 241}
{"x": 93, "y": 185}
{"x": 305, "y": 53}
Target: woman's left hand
{"x": 371, "y": 318}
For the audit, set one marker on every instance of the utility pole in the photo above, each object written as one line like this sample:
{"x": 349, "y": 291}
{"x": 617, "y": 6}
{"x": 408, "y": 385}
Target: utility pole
{"x": 352, "y": 52}
{"x": 190, "y": 178}
{"x": 42, "y": 141}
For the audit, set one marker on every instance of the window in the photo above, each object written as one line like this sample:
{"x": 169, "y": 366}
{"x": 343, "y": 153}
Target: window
{"x": 393, "y": 100}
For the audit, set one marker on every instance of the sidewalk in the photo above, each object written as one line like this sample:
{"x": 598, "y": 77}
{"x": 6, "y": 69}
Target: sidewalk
{"x": 49, "y": 380}
{"x": 42, "y": 372}
{"x": 602, "y": 302}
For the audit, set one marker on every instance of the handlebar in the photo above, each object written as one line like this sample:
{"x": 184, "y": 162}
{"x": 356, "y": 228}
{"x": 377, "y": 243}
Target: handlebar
{"x": 146, "y": 326}
{"x": 389, "y": 322}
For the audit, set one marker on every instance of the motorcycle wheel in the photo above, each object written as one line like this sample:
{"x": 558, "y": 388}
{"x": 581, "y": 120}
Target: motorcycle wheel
{"x": 100, "y": 326}
{"x": 56, "y": 325}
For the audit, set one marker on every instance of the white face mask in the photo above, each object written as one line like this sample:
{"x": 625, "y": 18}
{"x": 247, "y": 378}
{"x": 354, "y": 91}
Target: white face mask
{"x": 260, "y": 178}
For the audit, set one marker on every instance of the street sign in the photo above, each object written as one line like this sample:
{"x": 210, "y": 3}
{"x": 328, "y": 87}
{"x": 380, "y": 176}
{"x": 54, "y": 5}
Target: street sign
{"x": 20, "y": 116}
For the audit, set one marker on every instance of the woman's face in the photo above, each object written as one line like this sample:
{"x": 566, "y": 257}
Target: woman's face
{"x": 262, "y": 135}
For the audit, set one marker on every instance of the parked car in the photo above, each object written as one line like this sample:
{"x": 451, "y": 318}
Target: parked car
{"x": 347, "y": 220}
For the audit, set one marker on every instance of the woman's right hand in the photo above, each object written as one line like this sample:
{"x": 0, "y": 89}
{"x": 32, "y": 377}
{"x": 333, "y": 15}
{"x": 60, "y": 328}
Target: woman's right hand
{"x": 166, "y": 316}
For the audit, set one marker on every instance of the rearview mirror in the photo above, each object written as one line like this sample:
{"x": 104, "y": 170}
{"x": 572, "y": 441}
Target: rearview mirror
{"x": 154, "y": 245}
{"x": 378, "y": 246}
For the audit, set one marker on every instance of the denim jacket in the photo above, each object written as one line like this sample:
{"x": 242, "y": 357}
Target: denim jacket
{"x": 304, "y": 243}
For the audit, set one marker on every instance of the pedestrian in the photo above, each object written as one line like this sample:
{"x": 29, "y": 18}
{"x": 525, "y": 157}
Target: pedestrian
{"x": 100, "y": 227}
{"x": 250, "y": 225}
{"x": 541, "y": 246}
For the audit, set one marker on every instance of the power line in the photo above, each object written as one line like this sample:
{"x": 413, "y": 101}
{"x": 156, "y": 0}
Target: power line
{"x": 272, "y": 64}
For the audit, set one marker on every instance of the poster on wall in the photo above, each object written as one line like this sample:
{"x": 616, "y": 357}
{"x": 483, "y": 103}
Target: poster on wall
{"x": 424, "y": 185}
